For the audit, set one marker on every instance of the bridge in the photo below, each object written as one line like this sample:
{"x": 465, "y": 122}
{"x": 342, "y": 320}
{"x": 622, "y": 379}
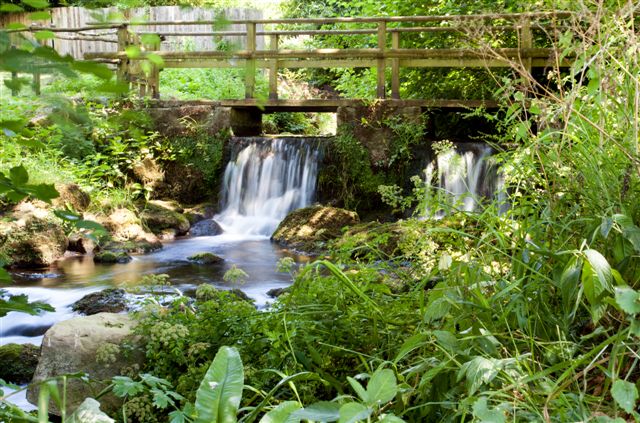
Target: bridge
{"x": 521, "y": 41}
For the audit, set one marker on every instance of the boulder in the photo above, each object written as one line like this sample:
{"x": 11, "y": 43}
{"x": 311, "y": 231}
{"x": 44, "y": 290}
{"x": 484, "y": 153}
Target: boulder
{"x": 72, "y": 195}
{"x": 309, "y": 228}
{"x": 276, "y": 292}
{"x": 91, "y": 345}
{"x": 19, "y": 362}
{"x": 128, "y": 234}
{"x": 110, "y": 300}
{"x": 200, "y": 212}
{"x": 81, "y": 244}
{"x": 89, "y": 412}
{"x": 208, "y": 227}
{"x": 111, "y": 257}
{"x": 158, "y": 217}
{"x": 32, "y": 241}
{"x": 205, "y": 258}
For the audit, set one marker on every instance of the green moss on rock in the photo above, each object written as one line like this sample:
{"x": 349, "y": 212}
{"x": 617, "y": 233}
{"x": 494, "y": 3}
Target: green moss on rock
{"x": 32, "y": 242}
{"x": 19, "y": 362}
{"x": 111, "y": 257}
{"x": 205, "y": 258}
{"x": 309, "y": 228}
{"x": 159, "y": 217}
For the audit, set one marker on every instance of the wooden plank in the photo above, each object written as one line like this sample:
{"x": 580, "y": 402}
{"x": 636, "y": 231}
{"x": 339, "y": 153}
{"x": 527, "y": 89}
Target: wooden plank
{"x": 388, "y": 19}
{"x": 381, "y": 65}
{"x": 395, "y": 67}
{"x": 273, "y": 70}
{"x": 250, "y": 64}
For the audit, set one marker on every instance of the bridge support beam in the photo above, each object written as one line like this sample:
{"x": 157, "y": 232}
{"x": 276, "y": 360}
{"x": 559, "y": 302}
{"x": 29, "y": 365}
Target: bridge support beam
{"x": 246, "y": 122}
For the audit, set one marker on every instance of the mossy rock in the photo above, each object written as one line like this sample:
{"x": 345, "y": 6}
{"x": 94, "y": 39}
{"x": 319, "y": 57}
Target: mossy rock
{"x": 309, "y": 228}
{"x": 19, "y": 362}
{"x": 73, "y": 195}
{"x": 159, "y": 217}
{"x": 133, "y": 246}
{"x": 205, "y": 258}
{"x": 32, "y": 242}
{"x": 111, "y": 300}
{"x": 108, "y": 256}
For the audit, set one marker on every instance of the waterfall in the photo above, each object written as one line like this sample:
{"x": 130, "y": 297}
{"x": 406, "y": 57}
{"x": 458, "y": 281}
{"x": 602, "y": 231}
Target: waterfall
{"x": 460, "y": 177}
{"x": 264, "y": 180}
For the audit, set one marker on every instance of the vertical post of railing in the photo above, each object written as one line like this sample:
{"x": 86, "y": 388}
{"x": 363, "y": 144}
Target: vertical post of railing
{"x": 395, "y": 67}
{"x": 14, "y": 84}
{"x": 382, "y": 44}
{"x": 250, "y": 68}
{"x": 273, "y": 69}
{"x": 153, "y": 80}
{"x": 122, "y": 72}
{"x": 526, "y": 42}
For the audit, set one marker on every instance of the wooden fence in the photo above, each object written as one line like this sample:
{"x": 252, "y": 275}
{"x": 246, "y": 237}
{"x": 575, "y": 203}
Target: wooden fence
{"x": 77, "y": 44}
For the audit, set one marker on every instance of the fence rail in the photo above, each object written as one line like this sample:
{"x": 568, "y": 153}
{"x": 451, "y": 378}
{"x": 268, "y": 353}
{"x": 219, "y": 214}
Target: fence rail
{"x": 387, "y": 44}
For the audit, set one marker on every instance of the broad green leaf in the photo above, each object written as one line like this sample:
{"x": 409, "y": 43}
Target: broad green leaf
{"x": 40, "y": 16}
{"x": 360, "y": 391}
{"x": 413, "y": 342}
{"x": 283, "y": 413}
{"x": 601, "y": 268}
{"x": 628, "y": 299}
{"x": 220, "y": 392}
{"x": 36, "y": 4}
{"x": 634, "y": 328}
{"x": 124, "y": 386}
{"x": 67, "y": 215}
{"x": 625, "y": 394}
{"x": 479, "y": 371}
{"x": 150, "y": 39}
{"x": 19, "y": 175}
{"x": 90, "y": 225}
{"x": 629, "y": 230}
{"x": 44, "y": 192}
{"x": 11, "y": 8}
{"x": 98, "y": 69}
{"x": 132, "y": 52}
{"x": 382, "y": 387}
{"x": 570, "y": 283}
{"x": 4, "y": 275}
{"x": 322, "y": 411}
{"x": 484, "y": 414}
{"x": 21, "y": 304}
{"x": 155, "y": 59}
{"x": 44, "y": 35}
{"x": 390, "y": 418}
{"x": 353, "y": 412}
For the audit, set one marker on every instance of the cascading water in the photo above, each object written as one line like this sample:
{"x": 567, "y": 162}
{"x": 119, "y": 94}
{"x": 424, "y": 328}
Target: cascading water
{"x": 460, "y": 177}
{"x": 266, "y": 179}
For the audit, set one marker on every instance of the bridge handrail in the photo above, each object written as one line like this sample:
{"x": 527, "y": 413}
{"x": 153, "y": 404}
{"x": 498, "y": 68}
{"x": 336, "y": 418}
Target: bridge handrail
{"x": 274, "y": 58}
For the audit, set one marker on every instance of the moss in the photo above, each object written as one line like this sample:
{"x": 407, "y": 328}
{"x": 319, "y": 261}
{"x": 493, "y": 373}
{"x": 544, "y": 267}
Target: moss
{"x": 19, "y": 362}
{"x": 112, "y": 257}
{"x": 159, "y": 218}
{"x": 36, "y": 243}
{"x": 309, "y": 228}
{"x": 133, "y": 246}
{"x": 205, "y": 258}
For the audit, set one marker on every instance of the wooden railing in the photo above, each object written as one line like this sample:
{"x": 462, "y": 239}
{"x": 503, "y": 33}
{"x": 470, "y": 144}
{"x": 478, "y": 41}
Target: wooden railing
{"x": 532, "y": 36}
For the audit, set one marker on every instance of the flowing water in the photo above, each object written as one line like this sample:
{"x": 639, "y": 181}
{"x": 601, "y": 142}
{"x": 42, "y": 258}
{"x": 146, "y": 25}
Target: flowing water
{"x": 264, "y": 180}
{"x": 461, "y": 178}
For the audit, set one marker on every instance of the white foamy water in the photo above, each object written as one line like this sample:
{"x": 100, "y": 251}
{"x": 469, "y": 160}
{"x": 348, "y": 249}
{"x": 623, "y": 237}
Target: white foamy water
{"x": 265, "y": 180}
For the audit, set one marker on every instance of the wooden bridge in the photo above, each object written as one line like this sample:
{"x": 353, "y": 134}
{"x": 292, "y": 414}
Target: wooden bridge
{"x": 521, "y": 41}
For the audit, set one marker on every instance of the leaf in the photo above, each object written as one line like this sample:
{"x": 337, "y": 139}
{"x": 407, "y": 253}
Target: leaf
{"x": 44, "y": 35}
{"x": 124, "y": 386}
{"x": 626, "y": 394}
{"x": 98, "y": 69}
{"x": 484, "y": 414}
{"x": 382, "y": 387}
{"x": 36, "y": 4}
{"x": 390, "y": 418}
{"x": 21, "y": 304}
{"x": 413, "y": 342}
{"x": 19, "y": 175}
{"x": 44, "y": 192}
{"x": 90, "y": 225}
{"x": 67, "y": 215}
{"x": 360, "y": 391}
{"x": 11, "y": 8}
{"x": 569, "y": 283}
{"x": 353, "y": 412}
{"x": 630, "y": 231}
{"x": 219, "y": 394}
{"x": 40, "y": 16}
{"x": 628, "y": 299}
{"x": 478, "y": 371}
{"x": 150, "y": 39}
{"x": 601, "y": 267}
{"x": 155, "y": 59}
{"x": 322, "y": 411}
{"x": 132, "y": 52}
{"x": 283, "y": 413}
